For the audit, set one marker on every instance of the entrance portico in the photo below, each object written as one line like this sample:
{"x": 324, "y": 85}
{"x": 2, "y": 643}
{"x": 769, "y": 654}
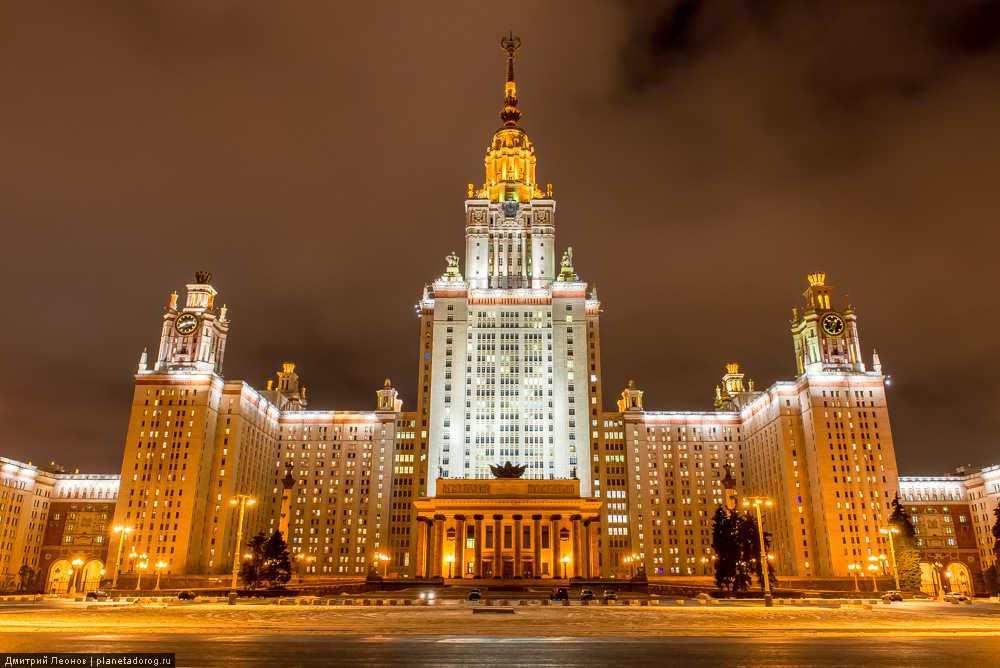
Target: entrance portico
{"x": 508, "y": 528}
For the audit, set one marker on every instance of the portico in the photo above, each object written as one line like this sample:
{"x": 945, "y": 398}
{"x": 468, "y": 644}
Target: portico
{"x": 508, "y": 528}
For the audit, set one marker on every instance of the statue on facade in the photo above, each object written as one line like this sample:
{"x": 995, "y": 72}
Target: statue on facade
{"x": 508, "y": 470}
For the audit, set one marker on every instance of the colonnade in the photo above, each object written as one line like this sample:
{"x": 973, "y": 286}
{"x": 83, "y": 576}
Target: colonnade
{"x": 446, "y": 548}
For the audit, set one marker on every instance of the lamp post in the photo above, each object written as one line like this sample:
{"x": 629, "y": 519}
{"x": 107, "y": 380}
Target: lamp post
{"x": 132, "y": 556}
{"x": 160, "y": 565}
{"x": 873, "y": 569}
{"x": 936, "y": 579}
{"x": 853, "y": 570}
{"x": 451, "y": 565}
{"x": 123, "y": 531}
{"x": 77, "y": 563}
{"x": 140, "y": 566}
{"x": 627, "y": 559}
{"x": 242, "y": 500}
{"x": 564, "y": 560}
{"x": 385, "y": 559}
{"x": 69, "y": 580}
{"x": 757, "y": 502}
{"x": 889, "y": 531}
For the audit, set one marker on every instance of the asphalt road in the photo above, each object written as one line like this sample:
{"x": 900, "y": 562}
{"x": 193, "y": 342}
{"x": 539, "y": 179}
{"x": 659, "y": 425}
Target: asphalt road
{"x": 312, "y": 650}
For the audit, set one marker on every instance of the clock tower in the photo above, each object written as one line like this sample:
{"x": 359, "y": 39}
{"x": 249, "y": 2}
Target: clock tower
{"x": 826, "y": 339}
{"x": 193, "y": 338}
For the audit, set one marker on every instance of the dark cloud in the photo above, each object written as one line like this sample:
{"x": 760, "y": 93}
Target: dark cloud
{"x": 704, "y": 155}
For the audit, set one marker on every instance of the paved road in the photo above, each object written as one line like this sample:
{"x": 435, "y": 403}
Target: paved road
{"x": 288, "y": 650}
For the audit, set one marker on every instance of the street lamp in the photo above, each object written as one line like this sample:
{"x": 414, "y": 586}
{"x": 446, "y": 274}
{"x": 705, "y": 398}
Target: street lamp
{"x": 889, "y": 531}
{"x": 385, "y": 559}
{"x": 160, "y": 565}
{"x": 564, "y": 560}
{"x": 140, "y": 567}
{"x": 757, "y": 502}
{"x": 77, "y": 563}
{"x": 123, "y": 531}
{"x": 69, "y": 580}
{"x": 873, "y": 569}
{"x": 853, "y": 570}
{"x": 451, "y": 565}
{"x": 243, "y": 500}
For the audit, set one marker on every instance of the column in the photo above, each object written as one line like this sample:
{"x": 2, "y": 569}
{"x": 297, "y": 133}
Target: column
{"x": 585, "y": 540}
{"x": 554, "y": 539}
{"x": 460, "y": 546}
{"x": 477, "y": 570}
{"x": 437, "y": 552}
{"x": 518, "y": 569}
{"x": 595, "y": 552}
{"x": 428, "y": 525}
{"x": 576, "y": 546}
{"x": 537, "y": 531}
{"x": 497, "y": 547}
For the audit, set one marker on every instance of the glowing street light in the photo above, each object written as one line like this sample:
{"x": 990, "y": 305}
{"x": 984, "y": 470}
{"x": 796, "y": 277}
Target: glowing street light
{"x": 385, "y": 559}
{"x": 451, "y": 565}
{"x": 757, "y": 502}
{"x": 873, "y": 569}
{"x": 564, "y": 560}
{"x": 123, "y": 531}
{"x": 77, "y": 563}
{"x": 142, "y": 565}
{"x": 160, "y": 565}
{"x": 889, "y": 531}
{"x": 854, "y": 569}
{"x": 243, "y": 500}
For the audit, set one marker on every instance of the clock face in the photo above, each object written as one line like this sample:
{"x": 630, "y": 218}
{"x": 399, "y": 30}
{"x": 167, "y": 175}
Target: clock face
{"x": 833, "y": 324}
{"x": 186, "y": 323}
{"x": 510, "y": 208}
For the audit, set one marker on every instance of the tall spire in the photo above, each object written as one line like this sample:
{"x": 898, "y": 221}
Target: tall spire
{"x": 510, "y": 114}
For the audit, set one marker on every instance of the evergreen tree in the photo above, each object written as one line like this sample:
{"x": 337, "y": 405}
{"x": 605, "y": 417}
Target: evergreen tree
{"x": 269, "y": 563}
{"x": 251, "y": 569}
{"x": 277, "y": 565}
{"x": 905, "y": 552}
{"x": 724, "y": 547}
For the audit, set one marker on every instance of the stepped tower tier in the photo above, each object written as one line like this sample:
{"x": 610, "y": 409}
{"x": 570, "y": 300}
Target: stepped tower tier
{"x": 826, "y": 338}
{"x": 513, "y": 355}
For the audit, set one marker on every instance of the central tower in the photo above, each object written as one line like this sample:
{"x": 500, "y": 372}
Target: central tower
{"x": 510, "y": 350}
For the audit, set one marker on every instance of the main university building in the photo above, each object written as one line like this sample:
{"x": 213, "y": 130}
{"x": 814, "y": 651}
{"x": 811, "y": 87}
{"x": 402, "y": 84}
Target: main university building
{"x": 509, "y": 370}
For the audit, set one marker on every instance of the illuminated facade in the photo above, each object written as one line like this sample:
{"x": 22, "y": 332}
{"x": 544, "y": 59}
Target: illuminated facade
{"x": 508, "y": 344}
{"x": 48, "y": 520}
{"x": 953, "y": 519}
{"x": 509, "y": 369}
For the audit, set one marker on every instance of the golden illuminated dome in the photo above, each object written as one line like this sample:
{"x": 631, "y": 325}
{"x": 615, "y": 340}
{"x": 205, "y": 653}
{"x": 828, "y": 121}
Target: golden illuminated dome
{"x": 510, "y": 157}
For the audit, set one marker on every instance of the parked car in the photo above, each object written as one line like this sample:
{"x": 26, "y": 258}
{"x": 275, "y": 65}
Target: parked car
{"x": 587, "y": 595}
{"x": 956, "y": 598}
{"x": 559, "y": 594}
{"x": 892, "y": 595}
{"x": 610, "y": 595}
{"x": 475, "y": 594}
{"x": 187, "y": 595}
{"x": 426, "y": 596}
{"x": 97, "y": 595}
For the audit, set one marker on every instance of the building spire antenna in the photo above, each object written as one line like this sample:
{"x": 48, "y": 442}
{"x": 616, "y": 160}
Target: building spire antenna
{"x": 510, "y": 114}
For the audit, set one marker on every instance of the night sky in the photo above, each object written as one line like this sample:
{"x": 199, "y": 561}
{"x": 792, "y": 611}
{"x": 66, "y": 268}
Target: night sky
{"x": 314, "y": 156}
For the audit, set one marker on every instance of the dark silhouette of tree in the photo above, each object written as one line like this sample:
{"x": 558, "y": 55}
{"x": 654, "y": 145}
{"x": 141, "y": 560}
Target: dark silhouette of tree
{"x": 905, "y": 551}
{"x": 277, "y": 564}
{"x": 736, "y": 543}
{"x": 725, "y": 548}
{"x": 25, "y": 578}
{"x": 269, "y": 563}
